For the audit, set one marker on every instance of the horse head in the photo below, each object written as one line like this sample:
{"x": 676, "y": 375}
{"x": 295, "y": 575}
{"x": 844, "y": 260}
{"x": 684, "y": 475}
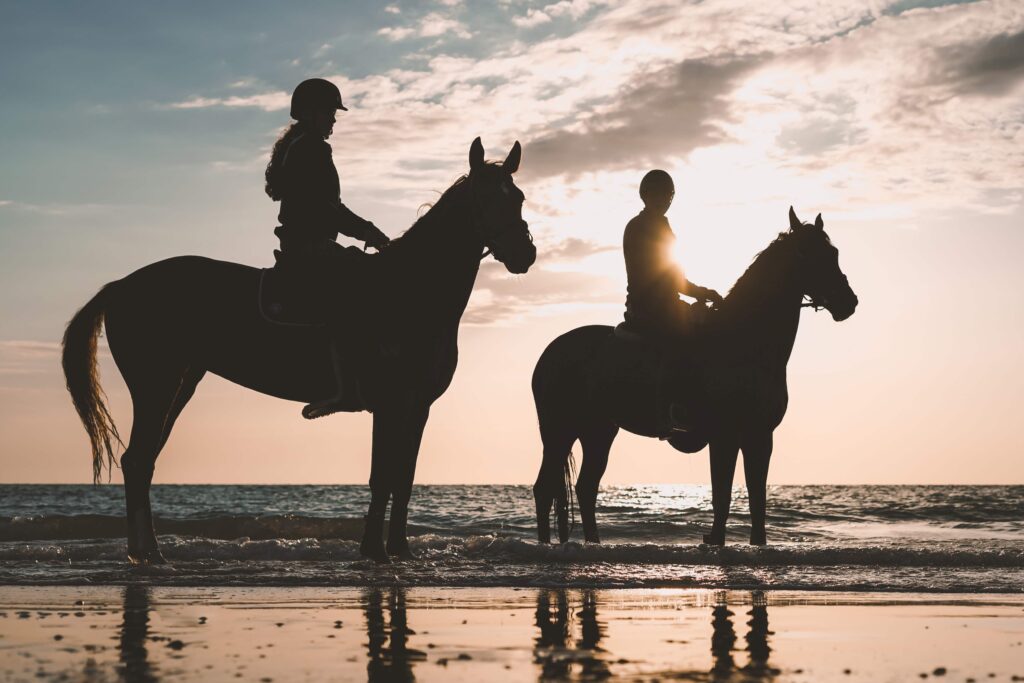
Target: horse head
{"x": 498, "y": 208}
{"x": 822, "y": 280}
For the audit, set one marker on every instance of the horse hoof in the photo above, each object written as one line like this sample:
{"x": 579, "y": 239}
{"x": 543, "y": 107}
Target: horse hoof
{"x": 758, "y": 539}
{"x": 403, "y": 552}
{"x": 375, "y": 552}
{"x": 714, "y": 538}
{"x": 146, "y": 558}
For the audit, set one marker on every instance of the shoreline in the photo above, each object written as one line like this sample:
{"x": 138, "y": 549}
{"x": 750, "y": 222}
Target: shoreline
{"x": 141, "y": 632}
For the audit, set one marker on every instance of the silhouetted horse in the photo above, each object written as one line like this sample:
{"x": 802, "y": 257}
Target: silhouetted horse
{"x": 171, "y": 322}
{"x": 742, "y": 353}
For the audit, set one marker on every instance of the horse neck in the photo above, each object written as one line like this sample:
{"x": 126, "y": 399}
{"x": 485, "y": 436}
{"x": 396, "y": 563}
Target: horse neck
{"x": 435, "y": 265}
{"x": 762, "y": 314}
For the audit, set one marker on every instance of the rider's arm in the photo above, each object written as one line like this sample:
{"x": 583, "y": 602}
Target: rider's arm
{"x": 317, "y": 179}
{"x": 683, "y": 285}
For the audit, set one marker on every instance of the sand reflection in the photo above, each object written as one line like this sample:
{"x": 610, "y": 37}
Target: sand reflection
{"x": 572, "y": 643}
{"x": 135, "y": 666}
{"x": 387, "y": 644}
{"x": 555, "y": 651}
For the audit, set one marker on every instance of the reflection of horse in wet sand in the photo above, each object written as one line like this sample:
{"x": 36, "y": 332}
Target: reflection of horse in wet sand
{"x": 135, "y": 637}
{"x": 592, "y": 657}
{"x": 554, "y": 650}
{"x": 171, "y": 322}
{"x": 387, "y": 643}
{"x": 742, "y": 353}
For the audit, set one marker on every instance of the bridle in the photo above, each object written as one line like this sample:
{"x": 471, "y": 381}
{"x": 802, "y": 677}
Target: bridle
{"x": 478, "y": 221}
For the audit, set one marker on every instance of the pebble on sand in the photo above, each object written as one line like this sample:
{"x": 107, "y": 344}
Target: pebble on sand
{"x": 939, "y": 671}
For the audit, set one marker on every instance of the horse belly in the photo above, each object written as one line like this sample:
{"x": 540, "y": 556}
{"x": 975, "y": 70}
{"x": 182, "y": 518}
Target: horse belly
{"x": 626, "y": 386}
{"x": 290, "y": 363}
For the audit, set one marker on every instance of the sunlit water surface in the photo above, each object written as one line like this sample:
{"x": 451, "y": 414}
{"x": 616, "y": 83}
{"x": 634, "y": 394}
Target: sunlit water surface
{"x": 860, "y": 538}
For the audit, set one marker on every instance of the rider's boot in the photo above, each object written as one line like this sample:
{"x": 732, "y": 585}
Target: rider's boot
{"x": 349, "y": 395}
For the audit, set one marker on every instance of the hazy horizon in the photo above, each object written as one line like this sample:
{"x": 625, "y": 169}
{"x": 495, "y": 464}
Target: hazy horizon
{"x": 137, "y": 133}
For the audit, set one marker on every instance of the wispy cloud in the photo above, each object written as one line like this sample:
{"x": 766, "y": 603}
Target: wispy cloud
{"x": 432, "y": 25}
{"x": 268, "y": 101}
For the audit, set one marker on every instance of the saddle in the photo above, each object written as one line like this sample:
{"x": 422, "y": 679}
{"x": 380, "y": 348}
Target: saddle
{"x": 283, "y": 296}
{"x": 637, "y": 376}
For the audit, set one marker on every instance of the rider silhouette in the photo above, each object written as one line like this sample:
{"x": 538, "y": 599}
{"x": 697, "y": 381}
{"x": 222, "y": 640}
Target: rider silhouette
{"x": 654, "y": 283}
{"x": 301, "y": 175}
{"x": 654, "y": 280}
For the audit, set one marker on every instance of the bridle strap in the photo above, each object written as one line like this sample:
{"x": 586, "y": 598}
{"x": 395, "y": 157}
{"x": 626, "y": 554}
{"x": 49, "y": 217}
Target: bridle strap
{"x": 478, "y": 218}
{"x": 810, "y": 302}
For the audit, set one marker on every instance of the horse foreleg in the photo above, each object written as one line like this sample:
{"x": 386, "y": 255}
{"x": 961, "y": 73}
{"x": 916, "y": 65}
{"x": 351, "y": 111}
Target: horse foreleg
{"x": 381, "y": 485}
{"x": 407, "y": 448}
{"x": 723, "y": 469}
{"x": 397, "y": 430}
{"x": 757, "y": 454}
{"x": 597, "y": 443}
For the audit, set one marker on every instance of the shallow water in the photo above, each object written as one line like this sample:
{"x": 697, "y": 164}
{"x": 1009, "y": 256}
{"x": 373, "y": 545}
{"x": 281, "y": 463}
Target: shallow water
{"x": 889, "y": 538}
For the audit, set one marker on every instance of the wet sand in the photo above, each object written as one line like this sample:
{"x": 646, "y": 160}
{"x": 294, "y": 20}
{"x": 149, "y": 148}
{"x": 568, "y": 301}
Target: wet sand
{"x": 140, "y": 633}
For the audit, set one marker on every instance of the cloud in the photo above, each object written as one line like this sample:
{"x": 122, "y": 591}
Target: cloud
{"x": 533, "y": 17}
{"x": 990, "y": 67}
{"x": 499, "y": 296}
{"x": 61, "y": 209}
{"x": 662, "y": 115}
{"x": 574, "y": 249}
{"x": 396, "y": 32}
{"x": 571, "y": 8}
{"x": 20, "y": 357}
{"x": 432, "y": 25}
{"x": 31, "y": 348}
{"x": 268, "y": 101}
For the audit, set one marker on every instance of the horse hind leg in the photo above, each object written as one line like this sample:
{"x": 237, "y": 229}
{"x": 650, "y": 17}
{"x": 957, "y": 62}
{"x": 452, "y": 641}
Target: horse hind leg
{"x": 597, "y": 443}
{"x": 157, "y": 403}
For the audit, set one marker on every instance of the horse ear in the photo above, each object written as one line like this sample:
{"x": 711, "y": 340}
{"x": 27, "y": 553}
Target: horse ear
{"x": 818, "y": 223}
{"x": 511, "y": 163}
{"x": 794, "y": 222}
{"x": 476, "y": 155}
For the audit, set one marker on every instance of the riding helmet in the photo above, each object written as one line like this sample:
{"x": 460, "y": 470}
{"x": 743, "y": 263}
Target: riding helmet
{"x": 656, "y": 183}
{"x": 315, "y": 94}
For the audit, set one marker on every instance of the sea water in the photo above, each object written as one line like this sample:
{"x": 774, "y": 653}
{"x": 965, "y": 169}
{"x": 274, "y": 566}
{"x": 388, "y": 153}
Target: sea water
{"x": 851, "y": 538}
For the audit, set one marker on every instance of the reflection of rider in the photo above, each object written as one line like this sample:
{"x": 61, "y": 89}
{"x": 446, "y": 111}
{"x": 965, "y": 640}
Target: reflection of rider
{"x": 301, "y": 174}
{"x": 654, "y": 280}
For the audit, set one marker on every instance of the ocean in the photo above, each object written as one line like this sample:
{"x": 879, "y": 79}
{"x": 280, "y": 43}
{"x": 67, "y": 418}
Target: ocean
{"x": 940, "y": 539}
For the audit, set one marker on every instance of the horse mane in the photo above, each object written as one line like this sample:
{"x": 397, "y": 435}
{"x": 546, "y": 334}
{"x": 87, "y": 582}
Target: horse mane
{"x": 435, "y": 212}
{"x": 753, "y": 278}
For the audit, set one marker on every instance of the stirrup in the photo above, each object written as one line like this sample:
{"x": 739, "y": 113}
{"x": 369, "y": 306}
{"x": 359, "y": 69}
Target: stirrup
{"x": 680, "y": 417}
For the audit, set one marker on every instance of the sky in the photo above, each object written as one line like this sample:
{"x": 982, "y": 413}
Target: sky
{"x": 132, "y": 132}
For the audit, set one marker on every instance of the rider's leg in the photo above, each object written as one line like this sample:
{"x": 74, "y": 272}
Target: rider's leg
{"x": 348, "y": 395}
{"x": 683, "y": 372}
{"x": 342, "y": 271}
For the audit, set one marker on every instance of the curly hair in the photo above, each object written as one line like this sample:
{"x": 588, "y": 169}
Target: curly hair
{"x": 274, "y": 167}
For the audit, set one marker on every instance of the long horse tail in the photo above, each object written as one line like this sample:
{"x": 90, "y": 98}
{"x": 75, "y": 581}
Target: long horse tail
{"x": 569, "y": 505}
{"x": 81, "y": 373}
